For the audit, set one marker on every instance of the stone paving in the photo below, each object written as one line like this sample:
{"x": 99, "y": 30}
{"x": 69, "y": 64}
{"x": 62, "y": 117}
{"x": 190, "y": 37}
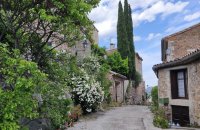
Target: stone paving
{"x": 121, "y": 118}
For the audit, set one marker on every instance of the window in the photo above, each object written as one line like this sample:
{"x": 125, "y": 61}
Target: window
{"x": 179, "y": 84}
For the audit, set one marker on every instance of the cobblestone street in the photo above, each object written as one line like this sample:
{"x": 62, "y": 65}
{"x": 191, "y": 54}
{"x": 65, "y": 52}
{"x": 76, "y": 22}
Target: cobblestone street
{"x": 121, "y": 118}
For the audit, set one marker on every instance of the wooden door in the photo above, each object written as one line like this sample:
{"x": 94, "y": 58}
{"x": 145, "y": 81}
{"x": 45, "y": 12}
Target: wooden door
{"x": 180, "y": 114}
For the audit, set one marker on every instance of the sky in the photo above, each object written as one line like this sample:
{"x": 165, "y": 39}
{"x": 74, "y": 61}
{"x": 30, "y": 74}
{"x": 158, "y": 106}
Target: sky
{"x": 152, "y": 20}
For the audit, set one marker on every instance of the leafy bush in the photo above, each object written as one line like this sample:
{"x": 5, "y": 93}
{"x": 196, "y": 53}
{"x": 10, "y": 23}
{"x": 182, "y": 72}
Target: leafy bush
{"x": 117, "y": 64}
{"x": 28, "y": 93}
{"x": 75, "y": 114}
{"x": 19, "y": 80}
{"x": 154, "y": 95}
{"x": 160, "y": 119}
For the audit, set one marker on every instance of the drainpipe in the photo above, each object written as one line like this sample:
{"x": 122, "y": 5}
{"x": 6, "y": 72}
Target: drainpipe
{"x": 123, "y": 93}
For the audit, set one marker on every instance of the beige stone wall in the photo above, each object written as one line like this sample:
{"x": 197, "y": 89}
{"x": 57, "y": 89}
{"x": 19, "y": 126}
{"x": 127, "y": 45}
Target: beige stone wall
{"x": 78, "y": 49}
{"x": 95, "y": 36}
{"x": 117, "y": 88}
{"x": 164, "y": 87}
{"x": 185, "y": 42}
{"x": 138, "y": 64}
{"x": 194, "y": 91}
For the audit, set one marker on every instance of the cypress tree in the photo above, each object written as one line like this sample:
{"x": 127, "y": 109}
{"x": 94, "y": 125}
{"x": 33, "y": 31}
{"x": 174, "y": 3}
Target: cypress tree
{"x": 125, "y": 44}
{"x": 130, "y": 46}
{"x": 121, "y": 33}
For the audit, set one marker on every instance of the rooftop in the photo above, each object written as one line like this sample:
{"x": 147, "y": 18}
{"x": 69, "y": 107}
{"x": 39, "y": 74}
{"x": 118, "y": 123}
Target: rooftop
{"x": 193, "y": 56}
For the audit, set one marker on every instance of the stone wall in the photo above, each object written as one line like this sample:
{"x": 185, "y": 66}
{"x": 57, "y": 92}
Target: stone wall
{"x": 138, "y": 63}
{"x": 194, "y": 91}
{"x": 164, "y": 90}
{"x": 184, "y": 42}
{"x": 117, "y": 88}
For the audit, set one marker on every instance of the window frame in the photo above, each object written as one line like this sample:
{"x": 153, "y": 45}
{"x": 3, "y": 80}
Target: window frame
{"x": 174, "y": 83}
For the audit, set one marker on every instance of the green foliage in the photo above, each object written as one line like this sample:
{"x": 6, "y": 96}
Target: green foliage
{"x": 100, "y": 53}
{"x": 138, "y": 78}
{"x": 125, "y": 44}
{"x": 122, "y": 39}
{"x": 102, "y": 77}
{"x": 30, "y": 25}
{"x": 154, "y": 95}
{"x": 56, "y": 102}
{"x": 19, "y": 79}
{"x": 117, "y": 64}
{"x": 160, "y": 119}
{"x": 129, "y": 29}
{"x": 29, "y": 93}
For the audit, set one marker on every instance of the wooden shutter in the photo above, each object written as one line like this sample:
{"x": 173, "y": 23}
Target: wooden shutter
{"x": 174, "y": 88}
{"x": 186, "y": 83}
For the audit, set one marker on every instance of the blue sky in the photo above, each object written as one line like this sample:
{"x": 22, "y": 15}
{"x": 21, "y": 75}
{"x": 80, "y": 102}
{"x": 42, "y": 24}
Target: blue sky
{"x": 152, "y": 20}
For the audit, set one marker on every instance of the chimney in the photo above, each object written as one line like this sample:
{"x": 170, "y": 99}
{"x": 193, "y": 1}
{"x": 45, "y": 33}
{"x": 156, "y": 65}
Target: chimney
{"x": 112, "y": 46}
{"x": 170, "y": 51}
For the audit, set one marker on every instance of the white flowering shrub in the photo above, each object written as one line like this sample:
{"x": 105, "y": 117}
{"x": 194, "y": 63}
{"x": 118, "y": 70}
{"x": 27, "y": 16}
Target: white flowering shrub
{"x": 91, "y": 65}
{"x": 86, "y": 91}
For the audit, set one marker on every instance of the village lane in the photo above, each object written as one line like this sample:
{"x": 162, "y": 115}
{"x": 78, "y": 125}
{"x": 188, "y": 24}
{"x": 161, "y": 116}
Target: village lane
{"x": 120, "y": 118}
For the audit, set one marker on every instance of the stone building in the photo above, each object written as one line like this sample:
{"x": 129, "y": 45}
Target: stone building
{"x": 119, "y": 84}
{"x": 179, "y": 76}
{"x": 136, "y": 94}
{"x": 82, "y": 48}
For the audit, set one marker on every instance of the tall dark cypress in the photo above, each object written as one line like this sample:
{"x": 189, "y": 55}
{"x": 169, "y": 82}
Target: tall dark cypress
{"x": 130, "y": 46}
{"x": 121, "y": 33}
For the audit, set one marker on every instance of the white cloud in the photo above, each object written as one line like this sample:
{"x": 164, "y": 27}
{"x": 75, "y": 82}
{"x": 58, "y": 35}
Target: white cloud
{"x": 173, "y": 29}
{"x": 152, "y": 36}
{"x": 105, "y": 15}
{"x": 158, "y": 8}
{"x": 192, "y": 17}
{"x": 149, "y": 60}
{"x": 137, "y": 38}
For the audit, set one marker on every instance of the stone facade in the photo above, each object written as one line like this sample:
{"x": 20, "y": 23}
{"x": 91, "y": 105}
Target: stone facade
{"x": 135, "y": 95}
{"x": 138, "y": 63}
{"x": 117, "y": 89}
{"x": 193, "y": 101}
{"x": 184, "y": 53}
{"x": 82, "y": 48}
{"x": 140, "y": 89}
{"x": 181, "y": 43}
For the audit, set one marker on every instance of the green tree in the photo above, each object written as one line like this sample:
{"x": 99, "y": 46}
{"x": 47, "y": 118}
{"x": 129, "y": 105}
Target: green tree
{"x": 129, "y": 30}
{"x": 118, "y": 64}
{"x": 99, "y": 52}
{"x": 154, "y": 95}
{"x": 31, "y": 25}
{"x": 122, "y": 40}
{"x": 125, "y": 37}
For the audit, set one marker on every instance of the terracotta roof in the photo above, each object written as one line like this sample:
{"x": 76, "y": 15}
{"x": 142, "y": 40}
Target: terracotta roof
{"x": 182, "y": 31}
{"x": 195, "y": 55}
